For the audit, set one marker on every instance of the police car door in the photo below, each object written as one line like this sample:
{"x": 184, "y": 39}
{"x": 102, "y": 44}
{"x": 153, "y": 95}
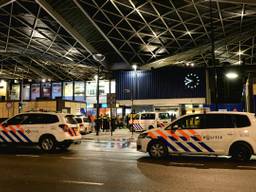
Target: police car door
{"x": 13, "y": 131}
{"x": 185, "y": 135}
{"x": 219, "y": 131}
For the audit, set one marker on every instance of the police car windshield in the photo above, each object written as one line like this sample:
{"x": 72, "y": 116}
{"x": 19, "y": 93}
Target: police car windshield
{"x": 70, "y": 119}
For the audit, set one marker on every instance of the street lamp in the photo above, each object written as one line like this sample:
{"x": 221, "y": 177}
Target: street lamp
{"x": 99, "y": 58}
{"x": 133, "y": 95}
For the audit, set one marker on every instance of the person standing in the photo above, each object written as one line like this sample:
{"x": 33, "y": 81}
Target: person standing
{"x": 105, "y": 123}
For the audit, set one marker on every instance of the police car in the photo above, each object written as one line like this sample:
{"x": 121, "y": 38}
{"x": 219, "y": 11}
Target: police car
{"x": 213, "y": 133}
{"x": 48, "y": 130}
{"x": 149, "y": 120}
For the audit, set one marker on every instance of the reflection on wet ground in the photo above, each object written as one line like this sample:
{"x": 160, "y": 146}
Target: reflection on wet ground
{"x": 124, "y": 144}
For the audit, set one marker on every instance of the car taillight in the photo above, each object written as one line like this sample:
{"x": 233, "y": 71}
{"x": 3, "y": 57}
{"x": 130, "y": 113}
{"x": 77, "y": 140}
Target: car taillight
{"x": 64, "y": 127}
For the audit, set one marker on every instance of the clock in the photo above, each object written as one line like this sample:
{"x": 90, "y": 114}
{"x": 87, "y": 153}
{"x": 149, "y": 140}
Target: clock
{"x": 191, "y": 81}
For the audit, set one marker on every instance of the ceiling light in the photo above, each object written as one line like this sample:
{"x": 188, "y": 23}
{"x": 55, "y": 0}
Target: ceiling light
{"x": 43, "y": 80}
{"x": 240, "y": 52}
{"x": 231, "y": 75}
{"x": 134, "y": 67}
{"x": 98, "y": 57}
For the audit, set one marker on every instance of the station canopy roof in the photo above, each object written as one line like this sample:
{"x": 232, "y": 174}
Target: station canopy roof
{"x": 56, "y": 39}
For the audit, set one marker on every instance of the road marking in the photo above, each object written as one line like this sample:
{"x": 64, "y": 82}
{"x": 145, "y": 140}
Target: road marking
{"x": 27, "y": 156}
{"x": 249, "y": 167}
{"x": 74, "y": 158}
{"x": 187, "y": 164}
{"x": 82, "y": 182}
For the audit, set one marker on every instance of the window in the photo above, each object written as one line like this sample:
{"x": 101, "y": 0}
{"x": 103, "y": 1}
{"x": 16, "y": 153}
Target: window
{"x": 164, "y": 116}
{"x": 35, "y": 91}
{"x": 56, "y": 90}
{"x": 25, "y": 92}
{"x": 79, "y": 91}
{"x": 79, "y": 120}
{"x": 17, "y": 120}
{"x": 219, "y": 121}
{"x": 68, "y": 90}
{"x": 15, "y": 92}
{"x": 40, "y": 119}
{"x": 189, "y": 122}
{"x": 147, "y": 116}
{"x": 242, "y": 121}
{"x": 70, "y": 119}
{"x": 46, "y": 90}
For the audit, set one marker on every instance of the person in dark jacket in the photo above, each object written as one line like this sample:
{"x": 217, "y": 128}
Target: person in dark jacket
{"x": 113, "y": 124}
{"x": 105, "y": 123}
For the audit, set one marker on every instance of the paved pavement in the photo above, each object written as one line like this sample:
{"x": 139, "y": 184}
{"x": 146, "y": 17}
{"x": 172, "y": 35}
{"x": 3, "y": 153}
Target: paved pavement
{"x": 105, "y": 164}
{"x": 117, "y": 135}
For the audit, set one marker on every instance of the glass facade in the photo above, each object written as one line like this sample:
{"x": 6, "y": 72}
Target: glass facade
{"x": 78, "y": 91}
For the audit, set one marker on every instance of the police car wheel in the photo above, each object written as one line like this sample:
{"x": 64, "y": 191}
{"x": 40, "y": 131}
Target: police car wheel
{"x": 241, "y": 153}
{"x": 157, "y": 150}
{"x": 47, "y": 144}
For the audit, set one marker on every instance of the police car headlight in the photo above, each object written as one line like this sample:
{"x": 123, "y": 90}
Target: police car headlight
{"x": 142, "y": 135}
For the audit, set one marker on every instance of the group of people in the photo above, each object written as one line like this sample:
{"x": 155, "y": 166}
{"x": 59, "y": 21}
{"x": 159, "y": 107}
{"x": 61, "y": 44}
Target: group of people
{"x": 105, "y": 123}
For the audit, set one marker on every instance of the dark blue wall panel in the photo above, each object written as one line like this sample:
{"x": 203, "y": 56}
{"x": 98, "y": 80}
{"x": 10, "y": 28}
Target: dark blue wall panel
{"x": 159, "y": 83}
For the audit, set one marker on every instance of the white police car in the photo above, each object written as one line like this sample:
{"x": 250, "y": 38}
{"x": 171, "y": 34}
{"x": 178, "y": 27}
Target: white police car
{"x": 213, "y": 133}
{"x": 48, "y": 130}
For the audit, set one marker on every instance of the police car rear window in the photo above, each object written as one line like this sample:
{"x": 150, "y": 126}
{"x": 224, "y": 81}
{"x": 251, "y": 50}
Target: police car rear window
{"x": 242, "y": 121}
{"x": 70, "y": 119}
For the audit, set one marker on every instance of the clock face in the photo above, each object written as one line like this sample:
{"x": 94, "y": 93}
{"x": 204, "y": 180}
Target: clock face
{"x": 191, "y": 81}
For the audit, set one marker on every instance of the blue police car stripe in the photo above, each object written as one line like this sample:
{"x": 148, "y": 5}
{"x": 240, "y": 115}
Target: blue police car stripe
{"x": 183, "y": 138}
{"x": 194, "y": 147}
{"x": 1, "y": 137}
{"x": 183, "y": 147}
{"x": 203, "y": 144}
{"x": 168, "y": 144}
{"x": 195, "y": 138}
{"x": 16, "y": 136}
{"x": 9, "y": 137}
{"x": 206, "y": 147}
{"x": 24, "y": 136}
{"x": 172, "y": 138}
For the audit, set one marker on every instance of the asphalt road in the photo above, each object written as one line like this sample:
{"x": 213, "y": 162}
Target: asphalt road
{"x": 117, "y": 167}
